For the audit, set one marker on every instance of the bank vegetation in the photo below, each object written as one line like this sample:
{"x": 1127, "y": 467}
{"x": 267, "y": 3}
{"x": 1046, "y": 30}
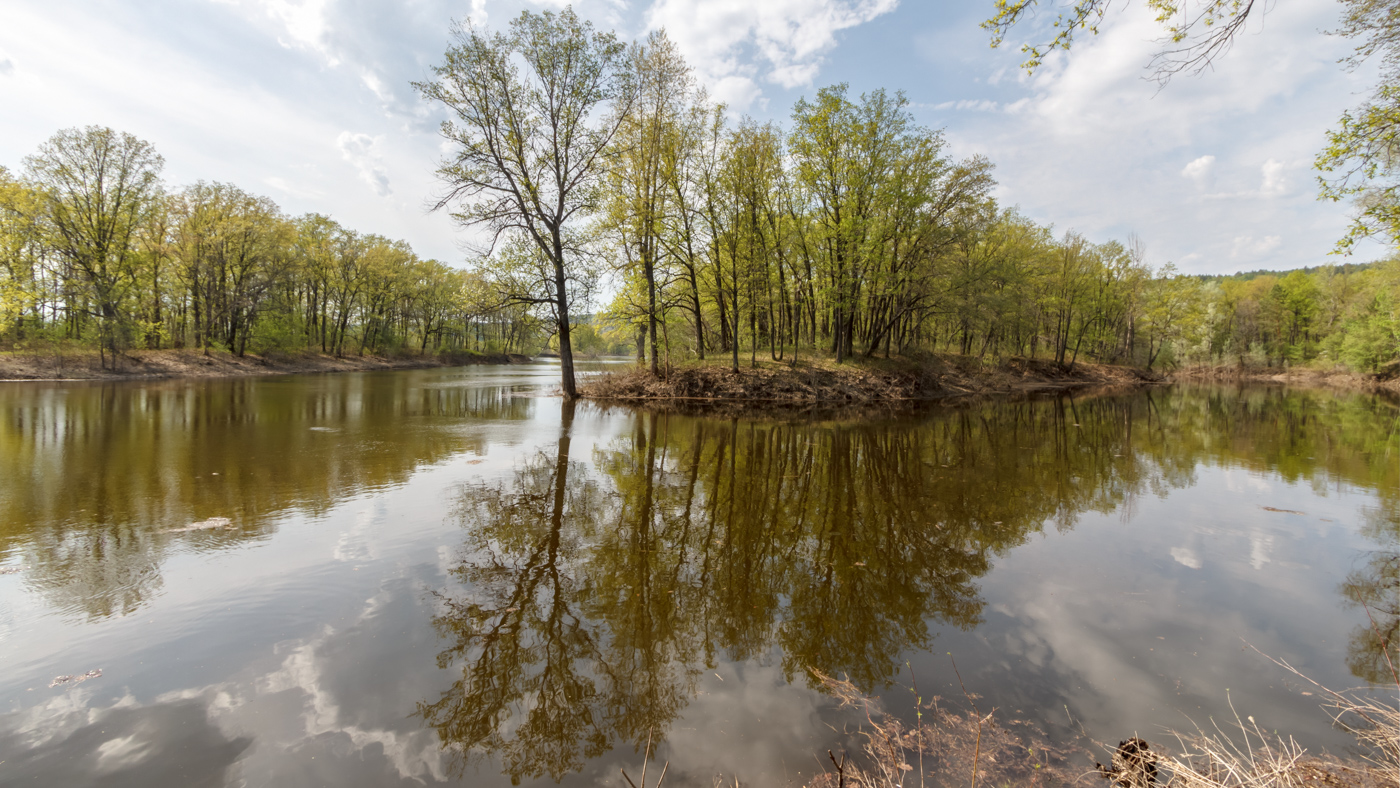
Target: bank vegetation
{"x": 612, "y": 206}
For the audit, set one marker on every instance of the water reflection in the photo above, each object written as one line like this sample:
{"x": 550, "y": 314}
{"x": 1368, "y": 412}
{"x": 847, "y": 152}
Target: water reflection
{"x": 1373, "y": 653}
{"x": 95, "y": 479}
{"x": 594, "y": 593}
{"x": 627, "y": 556}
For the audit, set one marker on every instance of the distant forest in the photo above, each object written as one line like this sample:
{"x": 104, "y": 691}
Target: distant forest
{"x": 852, "y": 232}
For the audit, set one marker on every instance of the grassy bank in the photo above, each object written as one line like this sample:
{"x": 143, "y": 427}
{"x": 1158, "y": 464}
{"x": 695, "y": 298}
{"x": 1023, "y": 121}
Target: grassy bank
{"x": 161, "y": 364}
{"x": 821, "y": 382}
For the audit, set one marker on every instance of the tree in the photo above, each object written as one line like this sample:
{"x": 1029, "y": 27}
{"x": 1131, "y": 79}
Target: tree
{"x": 98, "y": 188}
{"x": 843, "y": 152}
{"x": 226, "y": 244}
{"x": 1359, "y": 161}
{"x": 1193, "y": 36}
{"x": 1171, "y": 309}
{"x": 530, "y": 136}
{"x": 21, "y": 247}
{"x": 640, "y": 200}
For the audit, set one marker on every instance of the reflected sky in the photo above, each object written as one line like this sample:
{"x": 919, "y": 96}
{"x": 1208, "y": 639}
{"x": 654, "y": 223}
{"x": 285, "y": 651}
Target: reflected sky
{"x": 441, "y": 576}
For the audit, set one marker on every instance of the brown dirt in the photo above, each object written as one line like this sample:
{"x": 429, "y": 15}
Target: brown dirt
{"x": 895, "y": 382}
{"x": 159, "y": 364}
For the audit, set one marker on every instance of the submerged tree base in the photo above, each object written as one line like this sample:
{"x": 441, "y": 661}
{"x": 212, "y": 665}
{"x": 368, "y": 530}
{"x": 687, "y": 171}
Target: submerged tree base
{"x": 872, "y": 381}
{"x": 158, "y": 364}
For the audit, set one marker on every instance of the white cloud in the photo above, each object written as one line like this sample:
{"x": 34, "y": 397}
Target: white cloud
{"x": 1247, "y": 247}
{"x": 7, "y": 67}
{"x": 1199, "y": 170}
{"x": 736, "y": 44}
{"x": 1091, "y": 145}
{"x": 303, "y": 24}
{"x": 361, "y": 150}
{"x": 477, "y": 14}
{"x": 290, "y": 189}
{"x": 1273, "y": 183}
{"x": 974, "y": 105}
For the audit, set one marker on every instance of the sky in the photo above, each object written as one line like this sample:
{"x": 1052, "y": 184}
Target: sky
{"x": 309, "y": 102}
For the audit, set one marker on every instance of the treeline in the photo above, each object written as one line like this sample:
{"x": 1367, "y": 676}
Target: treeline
{"x": 851, "y": 232}
{"x": 95, "y": 251}
{"x": 1328, "y": 316}
{"x": 854, "y": 232}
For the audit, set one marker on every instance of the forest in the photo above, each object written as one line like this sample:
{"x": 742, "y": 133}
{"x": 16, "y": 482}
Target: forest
{"x": 612, "y": 207}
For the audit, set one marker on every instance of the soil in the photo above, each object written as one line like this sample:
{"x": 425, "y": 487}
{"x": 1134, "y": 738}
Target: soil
{"x": 159, "y": 364}
{"x": 869, "y": 382}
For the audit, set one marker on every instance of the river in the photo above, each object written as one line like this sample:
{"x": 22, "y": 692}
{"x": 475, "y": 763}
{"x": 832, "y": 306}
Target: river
{"x": 448, "y": 576}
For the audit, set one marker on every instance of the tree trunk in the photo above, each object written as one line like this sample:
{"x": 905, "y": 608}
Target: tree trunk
{"x": 566, "y": 349}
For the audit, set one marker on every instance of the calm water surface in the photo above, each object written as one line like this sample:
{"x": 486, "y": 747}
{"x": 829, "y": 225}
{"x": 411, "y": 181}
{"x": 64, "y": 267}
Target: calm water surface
{"x": 446, "y": 576}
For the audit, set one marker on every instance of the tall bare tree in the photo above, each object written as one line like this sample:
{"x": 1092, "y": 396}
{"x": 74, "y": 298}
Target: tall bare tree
{"x": 532, "y": 114}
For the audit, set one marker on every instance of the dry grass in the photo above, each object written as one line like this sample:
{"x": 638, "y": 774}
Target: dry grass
{"x": 959, "y": 748}
{"x": 1253, "y": 758}
{"x": 942, "y": 749}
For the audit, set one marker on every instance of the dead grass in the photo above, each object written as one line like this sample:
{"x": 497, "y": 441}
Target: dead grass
{"x": 865, "y": 382}
{"x": 950, "y": 747}
{"x": 942, "y": 748}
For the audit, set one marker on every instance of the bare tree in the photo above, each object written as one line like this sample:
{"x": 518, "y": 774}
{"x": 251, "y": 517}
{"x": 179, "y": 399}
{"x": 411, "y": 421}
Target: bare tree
{"x": 532, "y": 115}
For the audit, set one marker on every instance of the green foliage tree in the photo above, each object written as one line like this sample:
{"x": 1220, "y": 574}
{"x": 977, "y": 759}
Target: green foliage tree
{"x": 99, "y": 188}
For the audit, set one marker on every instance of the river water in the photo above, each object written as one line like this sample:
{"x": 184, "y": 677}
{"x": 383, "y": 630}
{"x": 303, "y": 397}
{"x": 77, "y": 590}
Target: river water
{"x": 449, "y": 576}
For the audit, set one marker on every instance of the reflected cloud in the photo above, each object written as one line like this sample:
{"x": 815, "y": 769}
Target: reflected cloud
{"x": 100, "y": 482}
{"x": 1186, "y": 557}
{"x": 122, "y": 745}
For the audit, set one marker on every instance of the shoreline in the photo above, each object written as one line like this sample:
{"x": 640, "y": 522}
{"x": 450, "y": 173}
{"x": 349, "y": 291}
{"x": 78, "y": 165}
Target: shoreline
{"x": 1388, "y": 380}
{"x": 192, "y": 364}
{"x": 879, "y": 383}
{"x": 775, "y": 385}
{"x": 900, "y": 383}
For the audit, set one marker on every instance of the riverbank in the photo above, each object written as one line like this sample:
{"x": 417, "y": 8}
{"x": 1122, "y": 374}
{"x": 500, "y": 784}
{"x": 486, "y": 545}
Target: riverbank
{"x": 1386, "y": 380}
{"x": 165, "y": 364}
{"x": 858, "y": 382}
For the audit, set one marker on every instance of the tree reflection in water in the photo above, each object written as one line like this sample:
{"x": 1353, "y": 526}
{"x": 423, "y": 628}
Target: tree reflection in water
{"x": 595, "y": 594}
{"x": 1373, "y": 653}
{"x": 96, "y": 481}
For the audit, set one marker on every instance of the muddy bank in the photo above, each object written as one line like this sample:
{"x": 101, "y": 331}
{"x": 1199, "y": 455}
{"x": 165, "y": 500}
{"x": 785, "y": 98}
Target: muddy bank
{"x": 868, "y": 383}
{"x": 164, "y": 364}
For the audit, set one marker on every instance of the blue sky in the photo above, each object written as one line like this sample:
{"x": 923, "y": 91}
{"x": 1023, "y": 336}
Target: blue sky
{"x": 308, "y": 102}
